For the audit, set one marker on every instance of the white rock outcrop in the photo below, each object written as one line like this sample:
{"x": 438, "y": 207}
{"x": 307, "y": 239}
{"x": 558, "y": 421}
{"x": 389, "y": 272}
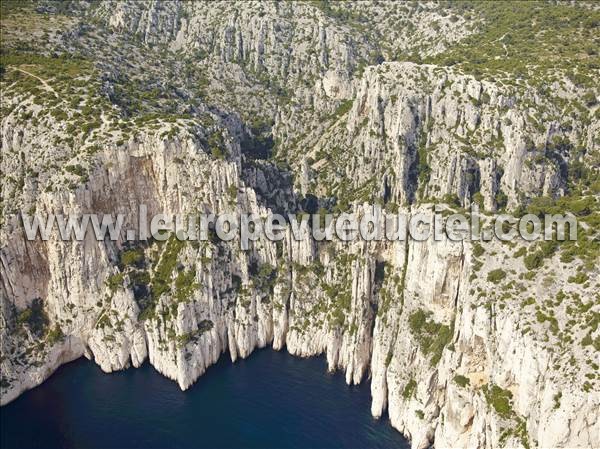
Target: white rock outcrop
{"x": 456, "y": 356}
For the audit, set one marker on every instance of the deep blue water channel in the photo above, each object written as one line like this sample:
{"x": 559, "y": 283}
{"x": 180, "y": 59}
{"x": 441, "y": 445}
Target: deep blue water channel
{"x": 270, "y": 400}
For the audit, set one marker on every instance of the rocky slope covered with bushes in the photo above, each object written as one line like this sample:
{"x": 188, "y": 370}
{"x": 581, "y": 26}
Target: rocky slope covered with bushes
{"x": 298, "y": 107}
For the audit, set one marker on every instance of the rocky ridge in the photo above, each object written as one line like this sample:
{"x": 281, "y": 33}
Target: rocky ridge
{"x": 457, "y": 356}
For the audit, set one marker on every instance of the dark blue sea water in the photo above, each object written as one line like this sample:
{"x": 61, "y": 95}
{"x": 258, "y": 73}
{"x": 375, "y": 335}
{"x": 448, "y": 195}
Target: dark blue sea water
{"x": 270, "y": 400}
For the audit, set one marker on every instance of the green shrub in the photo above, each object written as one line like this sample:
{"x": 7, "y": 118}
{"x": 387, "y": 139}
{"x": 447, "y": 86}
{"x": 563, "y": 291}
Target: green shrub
{"x": 496, "y": 275}
{"x": 461, "y": 380}
{"x": 540, "y": 206}
{"x": 24, "y": 316}
{"x": 55, "y": 335}
{"x": 203, "y": 326}
{"x": 34, "y": 317}
{"x": 139, "y": 277}
{"x": 114, "y": 282}
{"x": 452, "y": 199}
{"x": 478, "y": 199}
{"x": 342, "y": 109}
{"x": 548, "y": 247}
{"x": 579, "y": 278}
{"x": 478, "y": 249}
{"x": 501, "y": 200}
{"x": 432, "y": 337}
{"x": 232, "y": 192}
{"x": 75, "y": 169}
{"x": 162, "y": 275}
{"x": 541, "y": 317}
{"x": 520, "y": 252}
{"x": 264, "y": 277}
{"x": 510, "y": 44}
{"x": 185, "y": 285}
{"x": 534, "y": 260}
{"x": 499, "y": 399}
{"x": 409, "y": 389}
{"x": 216, "y": 144}
{"x": 556, "y": 398}
{"x": 132, "y": 257}
{"x": 587, "y": 340}
{"x": 218, "y": 152}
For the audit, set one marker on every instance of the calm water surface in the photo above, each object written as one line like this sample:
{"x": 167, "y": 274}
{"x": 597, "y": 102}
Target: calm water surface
{"x": 270, "y": 400}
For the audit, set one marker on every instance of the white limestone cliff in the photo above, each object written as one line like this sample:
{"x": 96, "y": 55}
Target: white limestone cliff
{"x": 454, "y": 357}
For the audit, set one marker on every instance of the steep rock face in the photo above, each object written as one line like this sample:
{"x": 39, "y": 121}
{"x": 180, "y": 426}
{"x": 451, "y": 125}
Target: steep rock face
{"x": 368, "y": 313}
{"x": 455, "y": 358}
{"x": 418, "y": 132}
{"x": 291, "y": 41}
{"x": 414, "y": 132}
